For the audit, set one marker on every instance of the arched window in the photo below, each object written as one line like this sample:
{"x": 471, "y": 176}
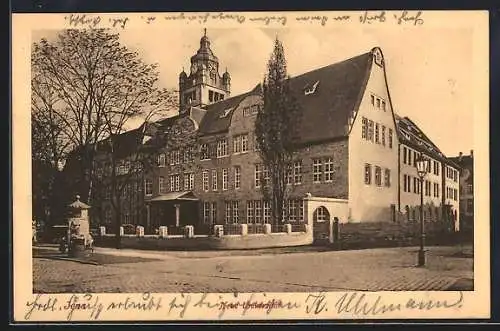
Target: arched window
{"x": 321, "y": 214}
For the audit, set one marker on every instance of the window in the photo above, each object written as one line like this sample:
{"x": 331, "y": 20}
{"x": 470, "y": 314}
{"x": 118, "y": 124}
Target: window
{"x": 258, "y": 211}
{"x": 214, "y": 180}
{"x": 251, "y": 110}
{"x": 175, "y": 183}
{"x": 387, "y": 177}
{"x": 368, "y": 174}
{"x": 370, "y": 130}
{"x": 206, "y": 212}
{"x": 321, "y": 214}
{"x": 390, "y": 138}
{"x": 383, "y": 105}
{"x": 289, "y": 174}
{"x": 470, "y": 188}
{"x": 383, "y": 135}
{"x": 236, "y": 212}
{"x": 148, "y": 186}
{"x": 317, "y": 170}
{"x": 205, "y": 181}
{"x": 205, "y": 155}
{"x": 222, "y": 148}
{"x": 405, "y": 155}
{"x": 161, "y": 185}
{"x": 416, "y": 185}
{"x": 410, "y": 152}
{"x": 377, "y": 137}
{"x": 267, "y": 211}
{"x": 188, "y": 181}
{"x": 237, "y": 144}
{"x": 300, "y": 215}
{"x": 364, "y": 128}
{"x": 329, "y": 169}
{"x": 244, "y": 143}
{"x": 297, "y": 172}
{"x": 214, "y": 212}
{"x": 237, "y": 177}
{"x": 224, "y": 179}
{"x": 258, "y": 174}
{"x": 265, "y": 175}
{"x": 250, "y": 209}
{"x": 228, "y": 212}
{"x": 378, "y": 176}
{"x": 175, "y": 157}
{"x": 455, "y": 194}
{"x": 405, "y": 179}
{"x": 293, "y": 210}
{"x": 256, "y": 143}
{"x": 211, "y": 96}
{"x": 372, "y": 100}
{"x": 378, "y": 103}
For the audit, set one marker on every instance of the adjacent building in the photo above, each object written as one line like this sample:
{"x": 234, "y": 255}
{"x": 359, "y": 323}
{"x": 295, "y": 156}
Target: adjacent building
{"x": 466, "y": 163}
{"x": 354, "y": 151}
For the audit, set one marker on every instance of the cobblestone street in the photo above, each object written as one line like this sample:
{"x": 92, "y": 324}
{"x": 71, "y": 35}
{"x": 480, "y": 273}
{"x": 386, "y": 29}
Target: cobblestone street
{"x": 245, "y": 271}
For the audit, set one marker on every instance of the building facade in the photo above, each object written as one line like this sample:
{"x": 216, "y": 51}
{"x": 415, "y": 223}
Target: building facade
{"x": 466, "y": 163}
{"x": 353, "y": 148}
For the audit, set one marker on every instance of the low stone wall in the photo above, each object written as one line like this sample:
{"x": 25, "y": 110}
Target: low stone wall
{"x": 207, "y": 242}
{"x": 389, "y": 234}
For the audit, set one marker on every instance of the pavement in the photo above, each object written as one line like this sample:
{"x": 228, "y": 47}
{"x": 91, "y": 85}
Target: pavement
{"x": 274, "y": 270}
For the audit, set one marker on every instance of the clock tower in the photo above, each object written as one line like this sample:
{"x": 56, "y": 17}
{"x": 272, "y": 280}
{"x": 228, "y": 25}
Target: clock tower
{"x": 203, "y": 85}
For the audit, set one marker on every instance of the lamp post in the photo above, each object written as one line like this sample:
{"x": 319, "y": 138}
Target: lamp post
{"x": 422, "y": 165}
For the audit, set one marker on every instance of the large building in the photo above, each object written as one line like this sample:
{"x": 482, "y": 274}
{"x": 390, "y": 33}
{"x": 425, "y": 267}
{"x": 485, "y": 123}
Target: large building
{"x": 354, "y": 150}
{"x": 466, "y": 162}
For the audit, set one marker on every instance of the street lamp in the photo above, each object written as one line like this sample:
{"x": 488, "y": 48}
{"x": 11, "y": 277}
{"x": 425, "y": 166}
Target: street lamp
{"x": 422, "y": 168}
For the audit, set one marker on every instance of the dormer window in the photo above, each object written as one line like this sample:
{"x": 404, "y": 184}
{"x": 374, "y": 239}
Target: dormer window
{"x": 310, "y": 89}
{"x": 225, "y": 112}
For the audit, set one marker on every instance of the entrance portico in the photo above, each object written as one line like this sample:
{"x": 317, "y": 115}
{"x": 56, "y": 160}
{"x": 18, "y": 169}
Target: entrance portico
{"x": 173, "y": 209}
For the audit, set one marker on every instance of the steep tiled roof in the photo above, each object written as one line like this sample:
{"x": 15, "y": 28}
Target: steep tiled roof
{"x": 218, "y": 116}
{"x": 338, "y": 89}
{"x": 411, "y": 135}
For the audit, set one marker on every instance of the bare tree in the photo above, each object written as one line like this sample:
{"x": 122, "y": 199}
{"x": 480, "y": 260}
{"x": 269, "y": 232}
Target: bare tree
{"x": 276, "y": 131}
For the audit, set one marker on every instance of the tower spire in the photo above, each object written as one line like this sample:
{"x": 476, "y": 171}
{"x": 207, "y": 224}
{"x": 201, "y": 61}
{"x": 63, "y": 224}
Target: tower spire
{"x": 205, "y": 32}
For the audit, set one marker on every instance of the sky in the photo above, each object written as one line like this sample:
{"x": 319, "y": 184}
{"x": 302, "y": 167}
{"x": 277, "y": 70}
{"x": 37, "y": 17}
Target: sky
{"x": 429, "y": 70}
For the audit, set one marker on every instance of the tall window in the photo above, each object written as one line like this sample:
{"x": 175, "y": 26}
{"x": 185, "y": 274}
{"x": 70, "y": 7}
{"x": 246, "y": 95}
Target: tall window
{"x": 378, "y": 176}
{"x": 383, "y": 105}
{"x": 148, "y": 186}
{"x": 214, "y": 180}
{"x": 377, "y": 136}
{"x": 205, "y": 181}
{"x": 293, "y": 210}
{"x": 224, "y": 179}
{"x": 161, "y": 185}
{"x": 383, "y": 135}
{"x": 267, "y": 211}
{"x": 416, "y": 185}
{"x": 236, "y": 211}
{"x": 405, "y": 180}
{"x": 250, "y": 211}
{"x": 204, "y": 152}
{"x": 368, "y": 174}
{"x": 237, "y": 177}
{"x": 329, "y": 169}
{"x": 317, "y": 171}
{"x": 244, "y": 143}
{"x": 387, "y": 177}
{"x": 390, "y": 138}
{"x": 228, "y": 212}
{"x": 297, "y": 172}
{"x": 222, "y": 148}
{"x": 405, "y": 155}
{"x": 206, "y": 212}
{"x": 265, "y": 175}
{"x": 289, "y": 174}
{"x": 321, "y": 214}
{"x": 410, "y": 152}
{"x": 214, "y": 212}
{"x": 161, "y": 160}
{"x": 364, "y": 128}
{"x": 258, "y": 211}
{"x": 175, "y": 183}
{"x": 237, "y": 144}
{"x": 258, "y": 174}
{"x": 370, "y": 130}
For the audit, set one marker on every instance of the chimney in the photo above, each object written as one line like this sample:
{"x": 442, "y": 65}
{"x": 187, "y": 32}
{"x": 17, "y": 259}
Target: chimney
{"x": 460, "y": 155}
{"x": 472, "y": 153}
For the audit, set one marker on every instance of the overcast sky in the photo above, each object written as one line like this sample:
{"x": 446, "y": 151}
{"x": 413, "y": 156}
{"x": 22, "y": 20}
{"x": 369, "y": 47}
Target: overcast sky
{"x": 429, "y": 71}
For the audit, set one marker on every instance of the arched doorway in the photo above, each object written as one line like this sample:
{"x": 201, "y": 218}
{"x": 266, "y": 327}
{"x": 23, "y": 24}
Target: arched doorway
{"x": 321, "y": 225}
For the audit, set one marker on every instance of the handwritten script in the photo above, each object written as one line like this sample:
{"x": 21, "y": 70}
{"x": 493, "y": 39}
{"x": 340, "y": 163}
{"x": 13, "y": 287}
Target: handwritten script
{"x": 404, "y": 17}
{"x": 350, "y": 304}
